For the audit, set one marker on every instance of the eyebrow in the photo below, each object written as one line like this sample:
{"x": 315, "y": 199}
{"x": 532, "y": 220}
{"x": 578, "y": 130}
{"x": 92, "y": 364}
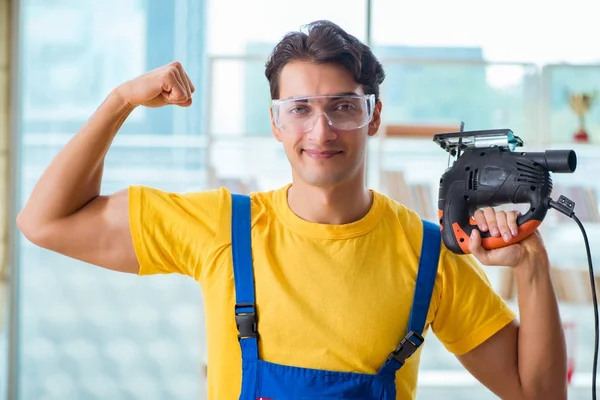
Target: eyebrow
{"x": 346, "y": 94}
{"x": 303, "y": 98}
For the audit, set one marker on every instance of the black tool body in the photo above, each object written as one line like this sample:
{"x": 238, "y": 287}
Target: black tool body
{"x": 488, "y": 173}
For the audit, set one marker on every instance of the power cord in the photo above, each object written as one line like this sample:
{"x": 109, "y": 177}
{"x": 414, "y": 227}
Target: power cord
{"x": 567, "y": 206}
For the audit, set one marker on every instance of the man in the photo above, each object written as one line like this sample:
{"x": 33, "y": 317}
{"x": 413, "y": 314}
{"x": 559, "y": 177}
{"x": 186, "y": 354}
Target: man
{"x": 334, "y": 263}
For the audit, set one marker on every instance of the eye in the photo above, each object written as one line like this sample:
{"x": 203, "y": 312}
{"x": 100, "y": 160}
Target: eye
{"x": 345, "y": 107}
{"x": 298, "y": 110}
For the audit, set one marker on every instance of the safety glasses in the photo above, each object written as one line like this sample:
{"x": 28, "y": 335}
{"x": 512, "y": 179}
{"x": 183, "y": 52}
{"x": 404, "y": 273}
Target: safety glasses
{"x": 342, "y": 112}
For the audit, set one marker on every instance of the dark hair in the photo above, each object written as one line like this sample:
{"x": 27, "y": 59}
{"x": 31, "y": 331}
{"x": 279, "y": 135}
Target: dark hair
{"x": 325, "y": 42}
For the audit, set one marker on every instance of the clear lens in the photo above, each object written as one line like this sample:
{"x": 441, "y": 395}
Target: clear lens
{"x": 343, "y": 112}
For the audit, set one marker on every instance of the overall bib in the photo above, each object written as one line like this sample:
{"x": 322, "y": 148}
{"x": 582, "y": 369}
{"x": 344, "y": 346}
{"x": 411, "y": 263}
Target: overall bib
{"x": 262, "y": 380}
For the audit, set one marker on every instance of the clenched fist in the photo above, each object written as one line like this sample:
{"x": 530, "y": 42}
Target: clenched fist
{"x": 168, "y": 84}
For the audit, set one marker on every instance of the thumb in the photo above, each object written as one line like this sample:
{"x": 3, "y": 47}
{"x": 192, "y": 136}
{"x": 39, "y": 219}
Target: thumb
{"x": 475, "y": 246}
{"x": 187, "y": 103}
{"x": 173, "y": 89}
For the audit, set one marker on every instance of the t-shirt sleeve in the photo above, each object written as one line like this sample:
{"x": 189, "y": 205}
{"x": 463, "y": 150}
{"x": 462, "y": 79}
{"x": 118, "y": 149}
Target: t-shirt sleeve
{"x": 171, "y": 232}
{"x": 469, "y": 310}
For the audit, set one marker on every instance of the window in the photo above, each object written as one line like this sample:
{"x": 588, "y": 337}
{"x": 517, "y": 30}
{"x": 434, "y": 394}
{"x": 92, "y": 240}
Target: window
{"x": 465, "y": 61}
{"x": 87, "y": 332}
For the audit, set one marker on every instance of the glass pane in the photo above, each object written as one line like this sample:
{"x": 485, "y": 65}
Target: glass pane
{"x": 561, "y": 83}
{"x": 259, "y": 24}
{"x": 502, "y": 33}
{"x": 88, "y": 333}
{"x": 239, "y": 99}
{"x": 428, "y": 91}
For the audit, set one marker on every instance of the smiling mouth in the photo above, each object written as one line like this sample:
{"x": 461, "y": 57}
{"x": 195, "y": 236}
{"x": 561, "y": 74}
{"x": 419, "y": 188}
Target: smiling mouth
{"x": 321, "y": 155}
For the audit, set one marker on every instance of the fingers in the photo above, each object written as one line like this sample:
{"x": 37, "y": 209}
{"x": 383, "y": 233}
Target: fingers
{"x": 479, "y": 218}
{"x": 511, "y": 219}
{"x": 502, "y": 223}
{"x": 173, "y": 89}
{"x": 184, "y": 79}
{"x": 187, "y": 82}
{"x": 177, "y": 87}
{"x": 498, "y": 223}
{"x": 490, "y": 220}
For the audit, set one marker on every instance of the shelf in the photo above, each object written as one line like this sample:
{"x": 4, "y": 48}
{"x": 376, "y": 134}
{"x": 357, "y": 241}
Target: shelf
{"x": 565, "y": 245}
{"x": 424, "y": 131}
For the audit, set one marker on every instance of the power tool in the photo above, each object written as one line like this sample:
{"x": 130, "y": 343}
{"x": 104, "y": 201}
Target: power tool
{"x": 489, "y": 172}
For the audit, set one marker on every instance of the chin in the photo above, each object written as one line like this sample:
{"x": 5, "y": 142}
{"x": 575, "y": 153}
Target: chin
{"x": 323, "y": 179}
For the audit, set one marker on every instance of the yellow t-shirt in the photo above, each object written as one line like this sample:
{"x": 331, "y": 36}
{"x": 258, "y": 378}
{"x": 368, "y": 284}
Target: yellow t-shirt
{"x": 333, "y": 297}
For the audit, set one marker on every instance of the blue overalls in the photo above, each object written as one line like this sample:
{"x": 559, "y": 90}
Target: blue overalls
{"x": 262, "y": 380}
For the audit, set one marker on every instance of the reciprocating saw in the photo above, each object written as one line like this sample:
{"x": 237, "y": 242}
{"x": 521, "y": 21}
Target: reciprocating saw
{"x": 488, "y": 171}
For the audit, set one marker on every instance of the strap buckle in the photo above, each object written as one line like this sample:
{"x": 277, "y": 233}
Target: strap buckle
{"x": 407, "y": 347}
{"x": 246, "y": 321}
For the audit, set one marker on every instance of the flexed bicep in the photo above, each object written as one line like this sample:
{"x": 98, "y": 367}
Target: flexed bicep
{"x": 98, "y": 234}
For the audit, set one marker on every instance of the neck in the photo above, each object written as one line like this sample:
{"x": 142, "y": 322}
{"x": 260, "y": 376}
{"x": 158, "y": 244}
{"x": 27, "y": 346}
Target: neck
{"x": 333, "y": 206}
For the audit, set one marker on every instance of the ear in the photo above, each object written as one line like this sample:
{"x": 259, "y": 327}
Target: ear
{"x": 376, "y": 120}
{"x": 276, "y": 132}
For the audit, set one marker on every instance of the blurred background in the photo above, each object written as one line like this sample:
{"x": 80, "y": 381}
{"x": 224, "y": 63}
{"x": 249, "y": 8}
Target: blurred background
{"x": 71, "y": 331}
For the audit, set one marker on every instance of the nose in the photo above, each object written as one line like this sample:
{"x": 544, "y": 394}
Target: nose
{"x": 322, "y": 131}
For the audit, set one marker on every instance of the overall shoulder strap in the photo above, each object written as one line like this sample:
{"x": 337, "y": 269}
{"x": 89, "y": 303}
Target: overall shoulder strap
{"x": 428, "y": 266}
{"x": 243, "y": 274}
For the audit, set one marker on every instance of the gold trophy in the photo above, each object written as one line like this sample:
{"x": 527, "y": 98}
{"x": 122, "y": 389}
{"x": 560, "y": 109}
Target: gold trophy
{"x": 580, "y": 104}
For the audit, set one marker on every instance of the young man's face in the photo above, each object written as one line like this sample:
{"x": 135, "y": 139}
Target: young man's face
{"x": 320, "y": 134}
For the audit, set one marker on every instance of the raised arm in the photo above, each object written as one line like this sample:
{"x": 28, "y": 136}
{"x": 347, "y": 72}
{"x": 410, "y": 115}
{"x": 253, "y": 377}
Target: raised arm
{"x": 527, "y": 360}
{"x": 65, "y": 212}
